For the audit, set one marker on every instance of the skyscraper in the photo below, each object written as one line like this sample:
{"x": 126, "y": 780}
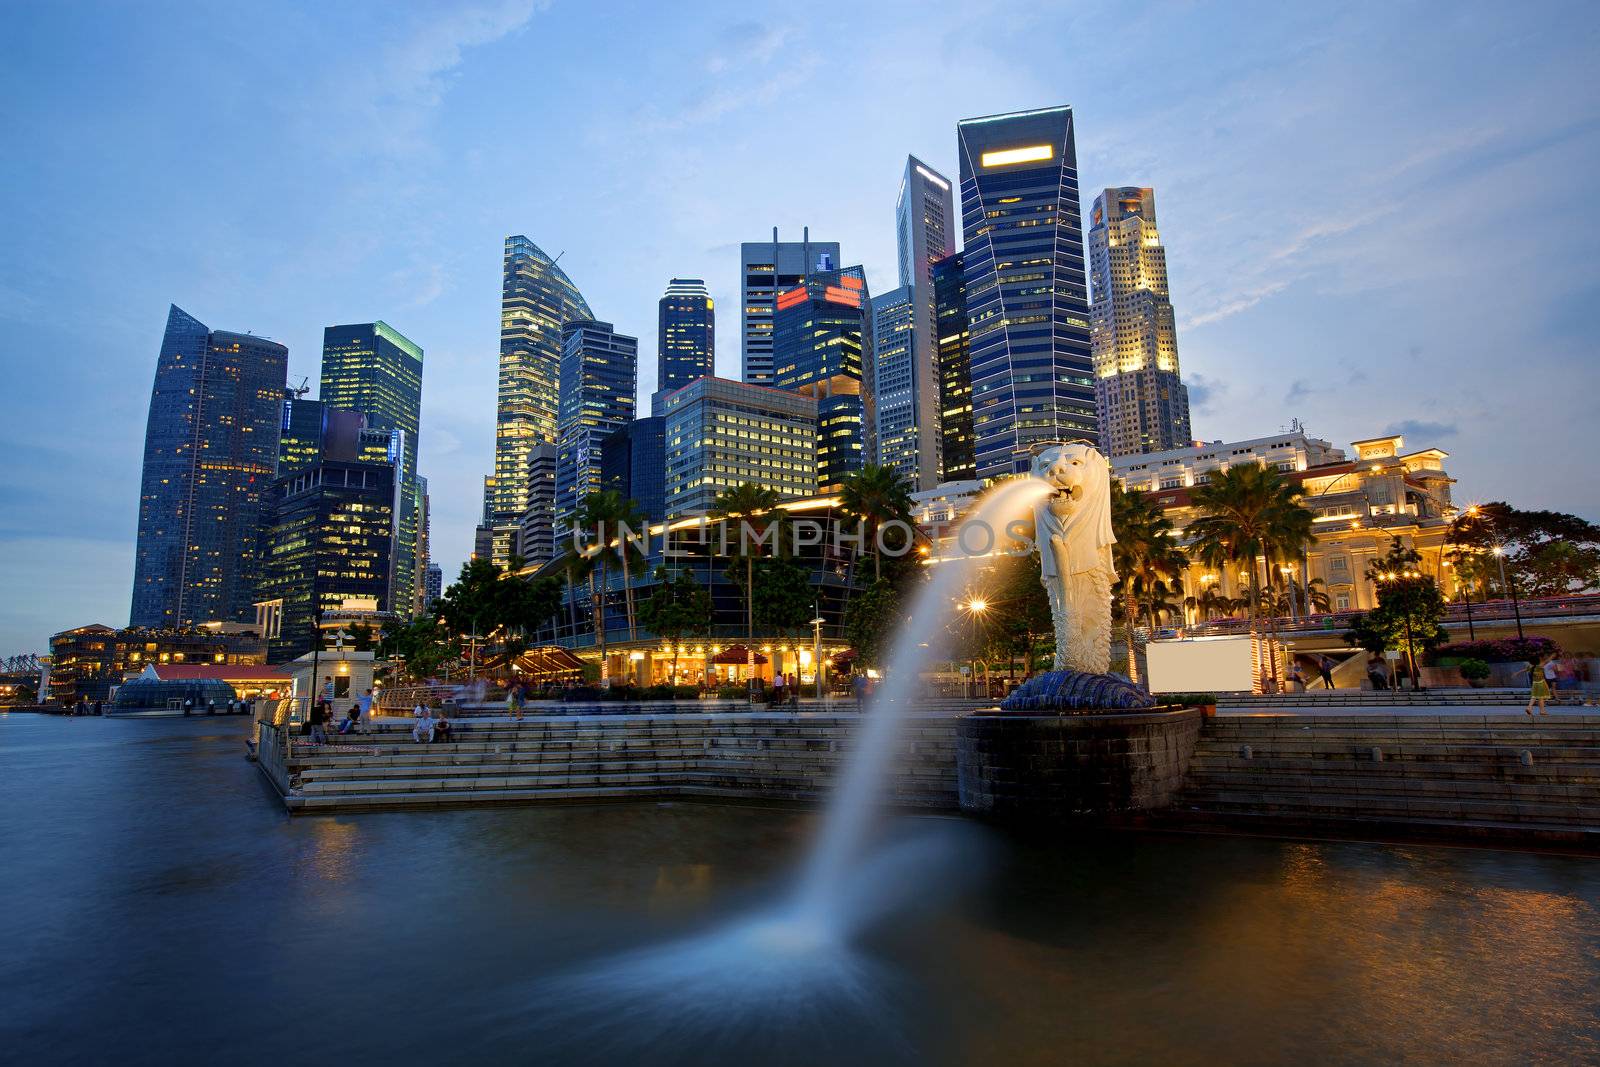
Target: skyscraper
{"x": 633, "y": 462}
{"x": 765, "y": 269}
{"x": 821, "y": 338}
{"x": 685, "y": 336}
{"x": 537, "y": 299}
{"x": 374, "y": 369}
{"x": 1027, "y": 295}
{"x": 210, "y": 451}
{"x": 721, "y": 433}
{"x": 898, "y": 431}
{"x": 536, "y": 533}
{"x": 925, "y": 225}
{"x": 300, "y": 436}
{"x": 599, "y": 375}
{"x": 332, "y": 534}
{"x": 433, "y": 585}
{"x": 1142, "y": 404}
{"x": 956, "y": 459}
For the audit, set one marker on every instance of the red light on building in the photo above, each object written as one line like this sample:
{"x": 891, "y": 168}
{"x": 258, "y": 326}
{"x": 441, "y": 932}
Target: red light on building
{"x": 834, "y": 295}
{"x": 851, "y": 282}
{"x": 792, "y": 297}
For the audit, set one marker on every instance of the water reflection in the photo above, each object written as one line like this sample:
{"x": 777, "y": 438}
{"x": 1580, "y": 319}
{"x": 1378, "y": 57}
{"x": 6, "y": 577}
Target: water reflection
{"x": 159, "y": 907}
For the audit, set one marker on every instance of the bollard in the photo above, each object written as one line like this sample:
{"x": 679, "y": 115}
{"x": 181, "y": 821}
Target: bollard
{"x": 1377, "y": 754}
{"x": 1525, "y": 757}
{"x": 1245, "y": 752}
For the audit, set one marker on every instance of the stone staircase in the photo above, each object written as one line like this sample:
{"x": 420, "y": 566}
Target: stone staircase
{"x": 1387, "y": 698}
{"x": 579, "y": 758}
{"x": 1416, "y": 774}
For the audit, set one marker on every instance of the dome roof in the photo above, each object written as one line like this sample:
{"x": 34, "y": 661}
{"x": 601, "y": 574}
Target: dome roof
{"x": 147, "y": 691}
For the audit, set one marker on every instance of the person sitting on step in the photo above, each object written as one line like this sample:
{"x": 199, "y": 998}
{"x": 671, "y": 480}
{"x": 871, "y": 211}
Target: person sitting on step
{"x": 422, "y": 732}
{"x": 441, "y": 728}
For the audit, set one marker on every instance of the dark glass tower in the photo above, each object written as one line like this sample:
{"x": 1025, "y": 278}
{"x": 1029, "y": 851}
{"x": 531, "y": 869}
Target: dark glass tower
{"x": 374, "y": 369}
{"x": 633, "y": 462}
{"x": 210, "y": 452}
{"x": 956, "y": 460}
{"x": 821, "y": 333}
{"x": 599, "y": 374}
{"x": 331, "y": 536}
{"x": 1027, "y": 293}
{"x": 685, "y": 335}
{"x": 300, "y": 440}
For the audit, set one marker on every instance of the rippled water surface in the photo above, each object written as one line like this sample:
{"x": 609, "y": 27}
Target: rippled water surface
{"x": 156, "y": 906}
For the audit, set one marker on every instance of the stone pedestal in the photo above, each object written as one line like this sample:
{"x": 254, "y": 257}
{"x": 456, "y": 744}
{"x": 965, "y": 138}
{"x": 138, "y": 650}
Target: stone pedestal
{"x": 1041, "y": 766}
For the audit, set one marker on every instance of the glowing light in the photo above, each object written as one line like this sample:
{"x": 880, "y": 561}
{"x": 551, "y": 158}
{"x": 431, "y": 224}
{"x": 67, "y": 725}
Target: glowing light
{"x": 932, "y": 177}
{"x": 1007, "y": 156}
{"x": 977, "y": 605}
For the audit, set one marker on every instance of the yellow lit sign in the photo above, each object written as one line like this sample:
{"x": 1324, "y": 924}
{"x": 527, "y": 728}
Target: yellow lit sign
{"x": 1031, "y": 154}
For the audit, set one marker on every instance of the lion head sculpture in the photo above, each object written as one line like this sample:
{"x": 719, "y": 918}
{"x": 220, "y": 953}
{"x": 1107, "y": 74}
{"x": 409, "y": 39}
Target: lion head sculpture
{"x": 1081, "y": 503}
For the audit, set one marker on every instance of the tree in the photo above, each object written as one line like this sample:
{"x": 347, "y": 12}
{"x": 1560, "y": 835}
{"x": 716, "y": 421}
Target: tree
{"x": 424, "y": 644}
{"x": 678, "y": 608}
{"x": 1249, "y": 512}
{"x": 876, "y": 495}
{"x": 872, "y": 619}
{"x": 783, "y": 597}
{"x": 1554, "y": 553}
{"x": 361, "y": 637}
{"x": 1146, "y": 559}
{"x": 755, "y": 505}
{"x": 1410, "y": 608}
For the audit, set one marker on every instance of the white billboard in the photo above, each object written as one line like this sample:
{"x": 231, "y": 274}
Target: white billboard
{"x": 1202, "y": 665}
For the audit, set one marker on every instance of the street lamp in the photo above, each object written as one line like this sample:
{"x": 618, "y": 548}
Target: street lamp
{"x": 1516, "y": 605}
{"x": 816, "y": 649}
{"x": 975, "y": 606}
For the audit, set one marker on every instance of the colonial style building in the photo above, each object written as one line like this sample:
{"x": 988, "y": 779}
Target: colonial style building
{"x": 1361, "y": 501}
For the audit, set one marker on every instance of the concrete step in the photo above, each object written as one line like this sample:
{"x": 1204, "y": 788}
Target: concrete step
{"x": 1587, "y": 772}
{"x": 1553, "y": 791}
{"x": 1367, "y": 806}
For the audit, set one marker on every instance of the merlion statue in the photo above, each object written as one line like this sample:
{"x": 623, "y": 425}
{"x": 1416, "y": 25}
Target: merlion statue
{"x": 1072, "y": 528}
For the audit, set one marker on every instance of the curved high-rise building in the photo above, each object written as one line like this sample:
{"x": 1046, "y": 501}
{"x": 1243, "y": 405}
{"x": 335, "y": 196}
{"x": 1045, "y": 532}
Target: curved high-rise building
{"x": 1142, "y": 404}
{"x": 537, "y": 299}
{"x": 210, "y": 453}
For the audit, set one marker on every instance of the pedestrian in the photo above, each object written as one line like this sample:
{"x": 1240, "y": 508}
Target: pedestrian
{"x": 188, "y": 706}
{"x": 778, "y": 684}
{"x": 794, "y": 690}
{"x": 858, "y": 688}
{"x": 319, "y": 718}
{"x": 1325, "y": 668}
{"x": 1552, "y": 677}
{"x": 1538, "y": 688}
{"x": 363, "y": 709}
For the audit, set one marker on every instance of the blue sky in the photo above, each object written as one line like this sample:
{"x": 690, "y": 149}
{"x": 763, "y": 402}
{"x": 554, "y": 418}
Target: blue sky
{"x": 1377, "y": 216}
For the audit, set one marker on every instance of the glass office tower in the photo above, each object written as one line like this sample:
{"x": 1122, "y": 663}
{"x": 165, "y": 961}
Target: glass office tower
{"x": 1027, "y": 293}
{"x": 720, "y": 433}
{"x": 374, "y": 369}
{"x": 633, "y": 462}
{"x": 956, "y": 459}
{"x": 925, "y": 228}
{"x": 821, "y": 332}
{"x": 685, "y": 335}
{"x": 599, "y": 374}
{"x": 537, "y": 299}
{"x": 210, "y": 453}
{"x": 900, "y": 432}
{"x": 767, "y": 268}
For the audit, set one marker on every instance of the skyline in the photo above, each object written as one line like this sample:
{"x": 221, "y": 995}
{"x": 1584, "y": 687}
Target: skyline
{"x": 1420, "y": 206}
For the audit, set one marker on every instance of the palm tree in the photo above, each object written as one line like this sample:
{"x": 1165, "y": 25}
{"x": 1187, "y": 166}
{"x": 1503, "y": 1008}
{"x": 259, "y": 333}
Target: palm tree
{"x": 1249, "y": 512}
{"x": 756, "y": 505}
{"x": 1145, "y": 557}
{"x": 876, "y": 495}
{"x": 597, "y": 520}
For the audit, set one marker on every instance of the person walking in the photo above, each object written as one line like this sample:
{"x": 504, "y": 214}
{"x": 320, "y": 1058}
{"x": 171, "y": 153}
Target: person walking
{"x": 362, "y": 710}
{"x": 1538, "y": 687}
{"x": 1325, "y": 668}
{"x": 1552, "y": 678}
